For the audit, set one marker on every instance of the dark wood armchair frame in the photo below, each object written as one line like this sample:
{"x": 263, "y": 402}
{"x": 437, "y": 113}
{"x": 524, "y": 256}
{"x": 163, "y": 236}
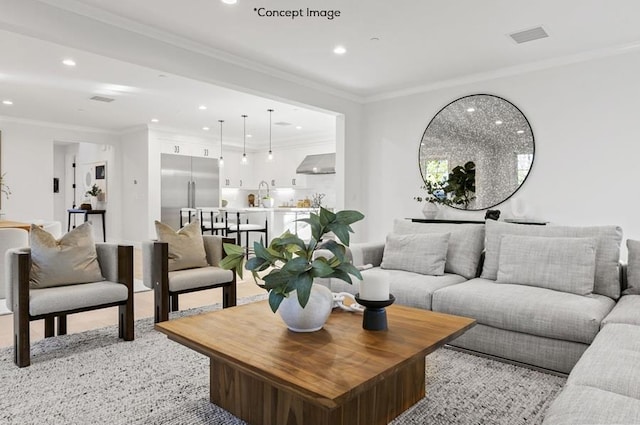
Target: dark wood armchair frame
{"x": 166, "y": 300}
{"x": 22, "y": 317}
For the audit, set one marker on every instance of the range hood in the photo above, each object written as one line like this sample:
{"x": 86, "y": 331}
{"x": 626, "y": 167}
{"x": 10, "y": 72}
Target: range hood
{"x": 324, "y": 163}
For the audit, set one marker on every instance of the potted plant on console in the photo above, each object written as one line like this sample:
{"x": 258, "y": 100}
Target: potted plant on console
{"x": 293, "y": 264}
{"x": 93, "y": 194}
{"x": 457, "y": 190}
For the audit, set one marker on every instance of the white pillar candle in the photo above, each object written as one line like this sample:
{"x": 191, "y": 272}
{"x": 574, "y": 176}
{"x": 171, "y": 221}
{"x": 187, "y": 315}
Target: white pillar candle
{"x": 374, "y": 287}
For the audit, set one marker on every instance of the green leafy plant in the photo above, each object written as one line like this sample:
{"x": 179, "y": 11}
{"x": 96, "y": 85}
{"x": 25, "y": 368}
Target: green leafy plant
{"x": 291, "y": 261}
{"x": 94, "y": 191}
{"x": 457, "y": 189}
{"x": 3, "y": 187}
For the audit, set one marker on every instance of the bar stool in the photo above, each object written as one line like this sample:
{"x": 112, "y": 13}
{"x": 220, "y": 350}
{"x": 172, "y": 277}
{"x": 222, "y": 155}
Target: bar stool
{"x": 187, "y": 214}
{"x": 211, "y": 220}
{"x": 239, "y": 228}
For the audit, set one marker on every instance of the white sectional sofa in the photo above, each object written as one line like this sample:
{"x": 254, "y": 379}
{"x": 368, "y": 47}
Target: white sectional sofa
{"x": 547, "y": 296}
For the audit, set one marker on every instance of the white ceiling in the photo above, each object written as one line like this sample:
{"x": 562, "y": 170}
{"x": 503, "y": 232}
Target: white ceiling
{"x": 422, "y": 43}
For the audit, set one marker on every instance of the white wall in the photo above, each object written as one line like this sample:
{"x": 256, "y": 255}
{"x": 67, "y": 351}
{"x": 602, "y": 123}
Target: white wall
{"x": 28, "y": 161}
{"x": 136, "y": 224}
{"x": 584, "y": 119}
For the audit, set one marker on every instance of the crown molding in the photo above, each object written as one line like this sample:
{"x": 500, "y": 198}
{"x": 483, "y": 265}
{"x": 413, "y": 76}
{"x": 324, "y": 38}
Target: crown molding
{"x": 69, "y": 127}
{"x": 509, "y": 71}
{"x": 123, "y": 23}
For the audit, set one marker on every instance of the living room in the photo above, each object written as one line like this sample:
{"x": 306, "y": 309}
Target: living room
{"x": 576, "y": 87}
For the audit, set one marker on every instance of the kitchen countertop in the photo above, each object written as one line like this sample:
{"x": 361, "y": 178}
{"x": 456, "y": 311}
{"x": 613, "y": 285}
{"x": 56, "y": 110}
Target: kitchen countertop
{"x": 261, "y": 209}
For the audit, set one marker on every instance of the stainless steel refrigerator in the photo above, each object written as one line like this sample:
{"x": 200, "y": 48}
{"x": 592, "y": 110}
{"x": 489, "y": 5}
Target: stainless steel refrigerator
{"x": 187, "y": 182}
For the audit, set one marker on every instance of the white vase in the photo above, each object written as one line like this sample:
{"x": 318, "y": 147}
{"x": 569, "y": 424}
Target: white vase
{"x": 430, "y": 210}
{"x": 313, "y": 316}
{"x": 94, "y": 202}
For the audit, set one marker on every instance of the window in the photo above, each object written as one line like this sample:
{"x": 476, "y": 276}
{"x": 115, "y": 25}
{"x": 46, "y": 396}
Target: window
{"x": 524, "y": 165}
{"x": 437, "y": 171}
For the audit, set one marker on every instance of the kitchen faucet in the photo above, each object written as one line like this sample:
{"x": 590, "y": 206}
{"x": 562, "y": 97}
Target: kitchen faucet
{"x": 260, "y": 191}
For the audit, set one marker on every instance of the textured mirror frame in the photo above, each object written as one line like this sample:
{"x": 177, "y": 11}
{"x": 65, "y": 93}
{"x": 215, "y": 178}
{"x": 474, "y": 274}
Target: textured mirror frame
{"x": 487, "y": 131}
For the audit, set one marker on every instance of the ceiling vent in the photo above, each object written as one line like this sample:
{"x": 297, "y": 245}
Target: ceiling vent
{"x": 102, "y": 99}
{"x": 529, "y": 35}
{"x": 283, "y": 123}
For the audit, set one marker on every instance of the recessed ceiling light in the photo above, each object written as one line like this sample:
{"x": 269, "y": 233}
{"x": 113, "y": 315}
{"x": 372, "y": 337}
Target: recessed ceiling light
{"x": 498, "y": 122}
{"x": 298, "y": 127}
{"x": 471, "y": 109}
{"x": 155, "y": 120}
{"x": 162, "y": 76}
{"x": 69, "y": 62}
{"x": 375, "y": 39}
{"x": 339, "y": 50}
{"x": 205, "y": 128}
{"x": 249, "y": 135}
{"x": 7, "y": 102}
{"x": 229, "y": 1}
{"x": 202, "y": 107}
{"x": 520, "y": 131}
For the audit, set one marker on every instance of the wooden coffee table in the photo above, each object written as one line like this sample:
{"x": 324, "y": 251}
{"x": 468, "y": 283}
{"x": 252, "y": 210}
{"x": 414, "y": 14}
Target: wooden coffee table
{"x": 267, "y": 375}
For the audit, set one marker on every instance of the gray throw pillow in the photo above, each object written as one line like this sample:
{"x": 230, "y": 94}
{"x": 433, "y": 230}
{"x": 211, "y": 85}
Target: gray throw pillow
{"x": 633, "y": 268}
{"x": 561, "y": 264}
{"x": 186, "y": 247}
{"x": 421, "y": 253}
{"x": 72, "y": 259}
{"x": 465, "y": 244}
{"x": 609, "y": 238}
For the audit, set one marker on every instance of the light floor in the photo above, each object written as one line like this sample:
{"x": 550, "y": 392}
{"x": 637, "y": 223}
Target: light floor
{"x": 143, "y": 307}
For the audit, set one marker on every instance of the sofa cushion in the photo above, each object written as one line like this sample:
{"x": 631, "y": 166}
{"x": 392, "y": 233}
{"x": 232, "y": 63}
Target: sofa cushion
{"x": 71, "y": 259}
{"x": 569, "y": 264}
{"x": 611, "y": 362}
{"x": 197, "y": 278}
{"x": 186, "y": 248}
{"x": 627, "y": 310}
{"x": 64, "y": 298}
{"x": 410, "y": 289}
{"x": 584, "y": 405}
{"x": 607, "y": 280}
{"x": 633, "y": 268}
{"x": 419, "y": 253}
{"x": 465, "y": 243}
{"x": 528, "y": 309}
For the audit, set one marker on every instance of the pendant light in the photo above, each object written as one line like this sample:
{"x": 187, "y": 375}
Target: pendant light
{"x": 244, "y": 145}
{"x": 270, "y": 152}
{"x": 221, "y": 160}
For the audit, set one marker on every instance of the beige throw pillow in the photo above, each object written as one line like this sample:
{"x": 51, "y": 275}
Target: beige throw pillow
{"x": 186, "y": 247}
{"x": 71, "y": 259}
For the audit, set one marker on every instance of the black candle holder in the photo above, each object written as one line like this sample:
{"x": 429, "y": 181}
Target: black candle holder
{"x": 375, "y": 316}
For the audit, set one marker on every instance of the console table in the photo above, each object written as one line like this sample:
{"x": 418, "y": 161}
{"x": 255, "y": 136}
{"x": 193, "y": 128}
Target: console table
{"x": 514, "y": 221}
{"x": 87, "y": 213}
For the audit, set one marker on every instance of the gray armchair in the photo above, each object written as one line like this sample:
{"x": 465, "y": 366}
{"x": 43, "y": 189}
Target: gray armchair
{"x": 168, "y": 285}
{"x": 28, "y": 304}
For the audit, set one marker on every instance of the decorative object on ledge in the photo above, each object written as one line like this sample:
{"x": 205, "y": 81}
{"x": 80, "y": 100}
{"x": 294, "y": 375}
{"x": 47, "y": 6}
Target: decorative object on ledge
{"x": 375, "y": 315}
{"x": 292, "y": 263}
{"x": 485, "y": 130}
{"x": 492, "y": 215}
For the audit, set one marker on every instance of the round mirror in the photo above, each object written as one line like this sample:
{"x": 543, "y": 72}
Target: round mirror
{"x": 476, "y": 152}
{"x": 88, "y": 179}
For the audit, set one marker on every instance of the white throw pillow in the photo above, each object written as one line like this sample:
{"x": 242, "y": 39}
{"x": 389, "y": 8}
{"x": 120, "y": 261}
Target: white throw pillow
{"x": 186, "y": 247}
{"x": 420, "y": 253}
{"x": 561, "y": 264}
{"x": 69, "y": 260}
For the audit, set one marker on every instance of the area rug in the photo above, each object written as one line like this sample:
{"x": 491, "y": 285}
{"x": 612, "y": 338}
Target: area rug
{"x": 94, "y": 378}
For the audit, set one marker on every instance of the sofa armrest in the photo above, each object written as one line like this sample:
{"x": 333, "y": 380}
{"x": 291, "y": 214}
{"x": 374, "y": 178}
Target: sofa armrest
{"x": 18, "y": 267}
{"x": 116, "y": 263}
